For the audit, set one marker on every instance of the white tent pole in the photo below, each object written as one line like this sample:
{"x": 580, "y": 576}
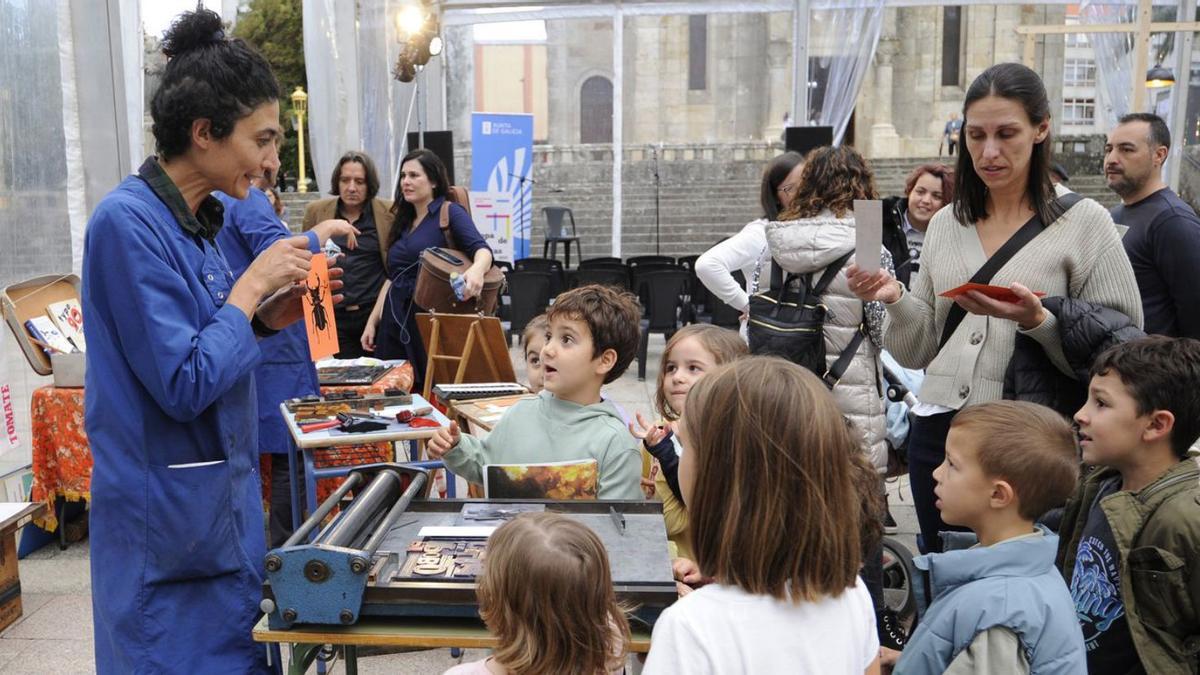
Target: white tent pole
{"x": 1179, "y": 96}
{"x": 617, "y": 140}
{"x": 800, "y": 63}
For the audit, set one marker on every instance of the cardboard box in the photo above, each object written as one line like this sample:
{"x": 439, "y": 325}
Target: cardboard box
{"x": 10, "y": 579}
{"x": 28, "y": 299}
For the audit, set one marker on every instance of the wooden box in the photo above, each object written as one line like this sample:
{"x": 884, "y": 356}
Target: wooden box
{"x": 10, "y": 579}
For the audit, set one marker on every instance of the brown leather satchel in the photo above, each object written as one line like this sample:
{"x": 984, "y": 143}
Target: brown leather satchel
{"x": 434, "y": 291}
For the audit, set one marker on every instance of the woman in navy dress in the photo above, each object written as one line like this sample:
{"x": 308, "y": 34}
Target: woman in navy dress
{"x": 391, "y": 332}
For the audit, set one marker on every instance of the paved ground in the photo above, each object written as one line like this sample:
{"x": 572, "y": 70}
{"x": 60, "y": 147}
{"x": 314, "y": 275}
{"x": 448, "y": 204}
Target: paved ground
{"x": 55, "y": 634}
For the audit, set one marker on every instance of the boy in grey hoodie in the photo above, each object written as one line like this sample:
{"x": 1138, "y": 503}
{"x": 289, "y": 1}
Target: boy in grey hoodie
{"x": 592, "y": 339}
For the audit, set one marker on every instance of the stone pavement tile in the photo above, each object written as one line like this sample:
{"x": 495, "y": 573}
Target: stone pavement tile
{"x": 59, "y": 657}
{"x": 65, "y": 617}
{"x": 49, "y": 570}
{"x": 12, "y": 651}
{"x": 30, "y": 603}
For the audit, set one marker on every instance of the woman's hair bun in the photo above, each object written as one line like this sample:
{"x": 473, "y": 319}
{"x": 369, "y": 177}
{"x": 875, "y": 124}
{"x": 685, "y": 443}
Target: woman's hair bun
{"x": 192, "y": 30}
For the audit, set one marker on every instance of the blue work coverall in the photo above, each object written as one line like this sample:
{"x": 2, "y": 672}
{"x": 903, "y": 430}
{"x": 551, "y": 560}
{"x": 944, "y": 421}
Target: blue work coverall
{"x": 177, "y": 541}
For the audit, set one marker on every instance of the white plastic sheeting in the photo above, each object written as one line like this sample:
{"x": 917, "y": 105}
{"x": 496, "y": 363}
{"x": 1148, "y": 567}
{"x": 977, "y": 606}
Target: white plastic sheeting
{"x": 842, "y": 36}
{"x": 1114, "y": 53}
{"x": 331, "y": 59}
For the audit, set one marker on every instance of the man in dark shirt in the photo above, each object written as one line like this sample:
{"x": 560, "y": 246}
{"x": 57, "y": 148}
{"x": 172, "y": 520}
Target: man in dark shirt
{"x": 356, "y": 184}
{"x": 1163, "y": 240}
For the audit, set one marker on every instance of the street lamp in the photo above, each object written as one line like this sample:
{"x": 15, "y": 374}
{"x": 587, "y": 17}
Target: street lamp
{"x": 1159, "y": 77}
{"x": 299, "y": 108}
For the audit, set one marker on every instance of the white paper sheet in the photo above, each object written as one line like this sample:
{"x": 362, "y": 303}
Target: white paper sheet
{"x": 10, "y": 509}
{"x": 868, "y": 233}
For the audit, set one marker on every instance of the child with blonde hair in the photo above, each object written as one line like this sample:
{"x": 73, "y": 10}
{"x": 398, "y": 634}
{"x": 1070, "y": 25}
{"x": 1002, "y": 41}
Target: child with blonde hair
{"x": 691, "y": 353}
{"x": 774, "y": 510}
{"x": 546, "y": 593}
{"x": 532, "y": 341}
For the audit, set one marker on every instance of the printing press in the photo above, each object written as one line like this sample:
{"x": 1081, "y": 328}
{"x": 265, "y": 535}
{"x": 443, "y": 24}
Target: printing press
{"x": 389, "y": 552}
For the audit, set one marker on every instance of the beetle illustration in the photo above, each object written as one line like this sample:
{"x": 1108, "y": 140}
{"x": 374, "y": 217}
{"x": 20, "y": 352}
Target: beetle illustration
{"x": 316, "y": 297}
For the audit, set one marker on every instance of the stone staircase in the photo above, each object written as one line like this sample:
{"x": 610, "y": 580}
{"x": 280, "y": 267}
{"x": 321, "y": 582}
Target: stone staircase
{"x": 294, "y": 204}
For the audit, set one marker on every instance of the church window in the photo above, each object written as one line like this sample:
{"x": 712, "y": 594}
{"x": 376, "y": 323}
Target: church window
{"x": 697, "y": 52}
{"x": 952, "y": 23}
{"x": 596, "y": 110}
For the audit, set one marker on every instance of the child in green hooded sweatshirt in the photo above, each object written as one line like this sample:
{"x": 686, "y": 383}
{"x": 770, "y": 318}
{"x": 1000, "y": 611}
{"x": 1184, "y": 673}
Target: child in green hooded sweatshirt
{"x": 592, "y": 339}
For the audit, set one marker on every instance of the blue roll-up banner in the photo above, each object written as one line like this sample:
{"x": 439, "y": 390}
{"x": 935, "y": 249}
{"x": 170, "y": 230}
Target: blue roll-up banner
{"x": 501, "y": 156}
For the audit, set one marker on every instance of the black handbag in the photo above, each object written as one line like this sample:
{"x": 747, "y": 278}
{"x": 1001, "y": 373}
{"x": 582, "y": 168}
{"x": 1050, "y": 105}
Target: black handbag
{"x": 791, "y": 324}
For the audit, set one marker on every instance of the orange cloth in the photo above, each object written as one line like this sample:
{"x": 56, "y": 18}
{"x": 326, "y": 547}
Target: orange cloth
{"x": 62, "y": 460}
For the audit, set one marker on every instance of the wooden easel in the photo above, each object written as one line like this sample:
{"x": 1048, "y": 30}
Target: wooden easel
{"x": 464, "y": 348}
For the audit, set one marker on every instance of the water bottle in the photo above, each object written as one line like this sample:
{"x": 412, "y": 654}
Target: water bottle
{"x": 459, "y": 284}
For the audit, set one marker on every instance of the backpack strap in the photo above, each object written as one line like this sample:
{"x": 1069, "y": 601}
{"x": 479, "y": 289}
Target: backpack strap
{"x": 830, "y": 274}
{"x": 444, "y": 222}
{"x": 842, "y": 364}
{"x": 1031, "y": 229}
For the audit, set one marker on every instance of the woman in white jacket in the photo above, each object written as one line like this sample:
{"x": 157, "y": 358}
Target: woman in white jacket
{"x": 747, "y": 250}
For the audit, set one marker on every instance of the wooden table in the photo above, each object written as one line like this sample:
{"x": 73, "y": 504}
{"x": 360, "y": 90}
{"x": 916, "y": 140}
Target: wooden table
{"x": 483, "y": 413}
{"x": 304, "y": 642}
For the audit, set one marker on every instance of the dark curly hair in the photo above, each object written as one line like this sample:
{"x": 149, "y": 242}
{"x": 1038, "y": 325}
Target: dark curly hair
{"x": 207, "y": 77}
{"x": 833, "y": 178}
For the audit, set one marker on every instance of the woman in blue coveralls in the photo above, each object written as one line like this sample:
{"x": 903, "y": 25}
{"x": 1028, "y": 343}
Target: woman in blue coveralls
{"x": 286, "y": 370}
{"x": 176, "y": 512}
{"x": 391, "y": 331}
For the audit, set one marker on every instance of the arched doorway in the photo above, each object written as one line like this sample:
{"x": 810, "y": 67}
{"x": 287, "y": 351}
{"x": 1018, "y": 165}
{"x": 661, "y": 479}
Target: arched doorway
{"x": 596, "y": 110}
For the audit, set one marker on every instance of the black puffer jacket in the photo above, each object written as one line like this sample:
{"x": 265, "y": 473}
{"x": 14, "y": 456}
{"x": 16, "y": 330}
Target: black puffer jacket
{"x": 1087, "y": 329}
{"x": 894, "y": 239}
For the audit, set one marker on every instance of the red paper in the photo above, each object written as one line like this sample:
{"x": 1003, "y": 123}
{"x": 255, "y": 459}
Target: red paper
{"x": 994, "y": 292}
{"x": 318, "y": 311}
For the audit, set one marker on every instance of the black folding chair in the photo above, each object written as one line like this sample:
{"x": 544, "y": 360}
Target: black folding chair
{"x": 530, "y": 291}
{"x": 664, "y": 289}
{"x": 601, "y": 262}
{"x": 550, "y": 266}
{"x": 723, "y": 315}
{"x": 605, "y": 276}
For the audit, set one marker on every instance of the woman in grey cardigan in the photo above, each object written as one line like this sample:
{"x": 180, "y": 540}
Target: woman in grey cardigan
{"x": 1002, "y": 181}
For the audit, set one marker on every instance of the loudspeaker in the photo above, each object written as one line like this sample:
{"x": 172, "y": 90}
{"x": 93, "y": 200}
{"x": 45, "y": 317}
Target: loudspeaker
{"x": 441, "y": 143}
{"x": 805, "y": 139}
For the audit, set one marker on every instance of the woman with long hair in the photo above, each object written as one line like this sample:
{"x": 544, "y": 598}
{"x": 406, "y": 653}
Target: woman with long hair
{"x": 747, "y": 250}
{"x": 391, "y": 332}
{"x": 1002, "y": 182}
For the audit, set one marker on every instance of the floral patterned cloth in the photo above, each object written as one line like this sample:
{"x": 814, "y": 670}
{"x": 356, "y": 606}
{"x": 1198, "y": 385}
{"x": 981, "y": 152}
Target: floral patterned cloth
{"x": 62, "y": 460}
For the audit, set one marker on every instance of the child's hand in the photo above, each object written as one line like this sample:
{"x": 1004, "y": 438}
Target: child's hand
{"x": 445, "y": 440}
{"x": 687, "y": 575}
{"x": 650, "y": 434}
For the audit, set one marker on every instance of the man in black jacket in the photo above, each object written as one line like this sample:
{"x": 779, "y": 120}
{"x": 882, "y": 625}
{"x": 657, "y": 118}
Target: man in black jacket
{"x": 1163, "y": 240}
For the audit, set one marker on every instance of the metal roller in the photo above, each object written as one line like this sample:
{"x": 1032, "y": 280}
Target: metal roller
{"x": 365, "y": 511}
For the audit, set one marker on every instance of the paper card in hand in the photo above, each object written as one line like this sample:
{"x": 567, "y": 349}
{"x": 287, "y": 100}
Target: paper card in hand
{"x": 318, "y": 311}
{"x": 868, "y": 234}
{"x": 994, "y": 292}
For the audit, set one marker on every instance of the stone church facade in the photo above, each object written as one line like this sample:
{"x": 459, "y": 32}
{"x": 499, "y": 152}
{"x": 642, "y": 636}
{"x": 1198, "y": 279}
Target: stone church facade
{"x": 725, "y": 78}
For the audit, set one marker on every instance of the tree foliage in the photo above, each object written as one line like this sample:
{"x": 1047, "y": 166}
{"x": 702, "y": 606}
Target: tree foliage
{"x": 276, "y": 29}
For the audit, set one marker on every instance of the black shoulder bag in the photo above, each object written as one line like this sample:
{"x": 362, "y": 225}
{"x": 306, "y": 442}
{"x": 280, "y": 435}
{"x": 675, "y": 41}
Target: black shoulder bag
{"x": 1032, "y": 228}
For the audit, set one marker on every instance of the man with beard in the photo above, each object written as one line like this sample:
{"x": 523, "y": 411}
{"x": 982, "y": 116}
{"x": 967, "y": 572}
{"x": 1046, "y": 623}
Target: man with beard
{"x": 1163, "y": 239}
